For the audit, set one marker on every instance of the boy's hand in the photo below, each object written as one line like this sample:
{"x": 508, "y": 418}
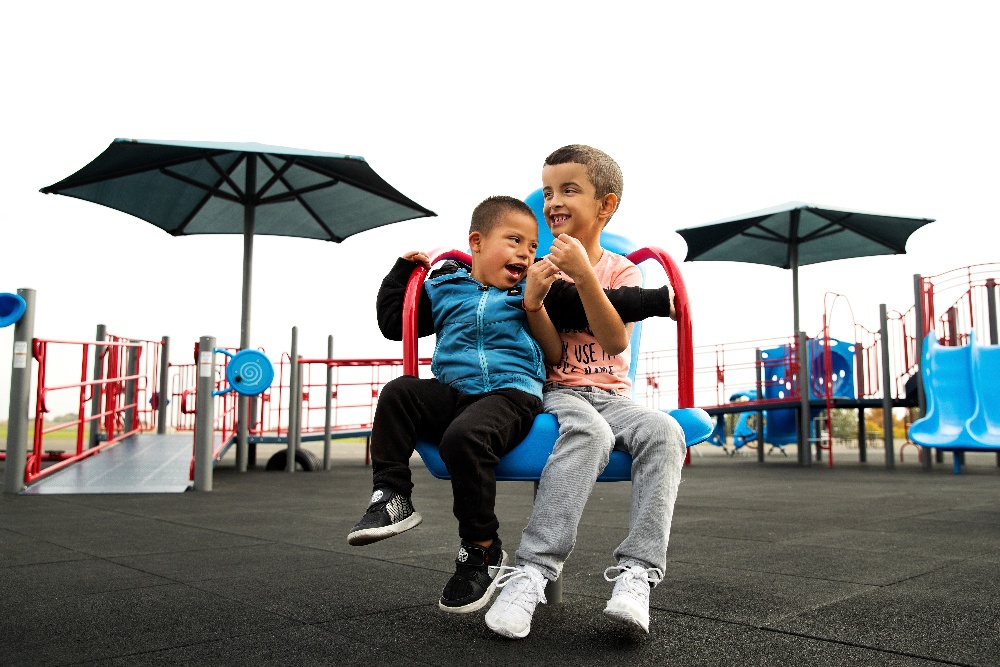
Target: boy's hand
{"x": 571, "y": 257}
{"x": 541, "y": 275}
{"x": 418, "y": 257}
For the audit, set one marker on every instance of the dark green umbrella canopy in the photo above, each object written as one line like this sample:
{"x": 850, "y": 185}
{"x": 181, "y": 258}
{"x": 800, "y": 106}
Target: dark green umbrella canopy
{"x": 202, "y": 188}
{"x": 240, "y": 188}
{"x": 797, "y": 233}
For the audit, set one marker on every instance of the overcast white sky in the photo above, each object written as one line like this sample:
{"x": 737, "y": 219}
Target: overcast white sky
{"x": 711, "y": 108}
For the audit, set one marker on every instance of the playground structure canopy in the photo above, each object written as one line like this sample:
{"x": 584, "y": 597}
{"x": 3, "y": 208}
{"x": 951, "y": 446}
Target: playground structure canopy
{"x": 795, "y": 234}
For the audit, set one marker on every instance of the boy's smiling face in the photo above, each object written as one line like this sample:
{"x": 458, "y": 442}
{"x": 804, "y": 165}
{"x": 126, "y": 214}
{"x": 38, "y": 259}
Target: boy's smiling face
{"x": 571, "y": 204}
{"x": 501, "y": 257}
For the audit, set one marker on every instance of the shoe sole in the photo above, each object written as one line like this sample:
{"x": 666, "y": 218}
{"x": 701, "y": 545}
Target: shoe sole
{"x": 484, "y": 600}
{"x": 359, "y": 538}
{"x": 625, "y": 617}
{"x": 504, "y": 632}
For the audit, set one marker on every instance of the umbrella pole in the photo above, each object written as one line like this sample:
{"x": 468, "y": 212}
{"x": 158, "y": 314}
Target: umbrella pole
{"x": 802, "y": 342}
{"x": 243, "y": 402}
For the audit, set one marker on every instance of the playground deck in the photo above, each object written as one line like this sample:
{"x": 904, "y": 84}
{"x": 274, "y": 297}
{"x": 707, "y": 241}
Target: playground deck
{"x": 770, "y": 564}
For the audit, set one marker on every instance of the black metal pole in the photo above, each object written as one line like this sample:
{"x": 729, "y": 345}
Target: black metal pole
{"x": 249, "y": 212}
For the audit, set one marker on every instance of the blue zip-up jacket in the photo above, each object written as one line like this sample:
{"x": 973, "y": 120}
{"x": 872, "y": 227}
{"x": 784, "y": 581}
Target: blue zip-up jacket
{"x": 483, "y": 342}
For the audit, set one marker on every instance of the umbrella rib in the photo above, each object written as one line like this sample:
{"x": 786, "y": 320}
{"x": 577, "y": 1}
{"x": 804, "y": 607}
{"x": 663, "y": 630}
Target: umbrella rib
{"x": 208, "y": 196}
{"x": 294, "y": 194}
{"x": 767, "y": 235}
{"x": 401, "y": 199}
{"x": 843, "y": 222}
{"x": 194, "y": 211}
{"x": 122, "y": 173}
{"x": 225, "y": 176}
{"x": 824, "y": 231}
{"x": 308, "y": 209}
{"x": 209, "y": 189}
{"x": 277, "y": 174}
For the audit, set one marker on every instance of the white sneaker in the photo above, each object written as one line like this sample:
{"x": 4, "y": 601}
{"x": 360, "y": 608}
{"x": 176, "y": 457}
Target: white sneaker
{"x": 523, "y": 588}
{"x": 629, "y": 603}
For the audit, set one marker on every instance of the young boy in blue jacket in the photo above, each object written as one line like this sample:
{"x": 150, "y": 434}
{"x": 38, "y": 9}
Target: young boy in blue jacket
{"x": 487, "y": 390}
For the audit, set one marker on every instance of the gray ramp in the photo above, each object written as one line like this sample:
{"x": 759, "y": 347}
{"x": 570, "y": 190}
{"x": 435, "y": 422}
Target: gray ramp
{"x": 144, "y": 464}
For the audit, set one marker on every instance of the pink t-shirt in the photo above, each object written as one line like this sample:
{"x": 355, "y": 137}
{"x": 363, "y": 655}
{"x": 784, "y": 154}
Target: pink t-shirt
{"x": 584, "y": 362}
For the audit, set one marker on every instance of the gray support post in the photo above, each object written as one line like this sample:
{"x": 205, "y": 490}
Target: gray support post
{"x": 886, "y": 389}
{"x": 161, "y": 405}
{"x": 918, "y": 311}
{"x": 859, "y": 366}
{"x": 991, "y": 305}
{"x": 299, "y": 380}
{"x": 98, "y": 389}
{"x": 131, "y": 368}
{"x": 242, "y": 431}
{"x": 20, "y": 396}
{"x": 805, "y": 413}
{"x": 953, "y": 326}
{"x": 204, "y": 421}
{"x": 760, "y": 413}
{"x": 294, "y": 395}
{"x": 328, "y": 421}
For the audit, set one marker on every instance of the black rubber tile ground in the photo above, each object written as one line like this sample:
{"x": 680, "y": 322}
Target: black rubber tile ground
{"x": 768, "y": 565}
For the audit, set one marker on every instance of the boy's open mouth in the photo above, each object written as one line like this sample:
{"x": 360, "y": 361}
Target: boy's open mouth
{"x": 515, "y": 271}
{"x": 556, "y": 220}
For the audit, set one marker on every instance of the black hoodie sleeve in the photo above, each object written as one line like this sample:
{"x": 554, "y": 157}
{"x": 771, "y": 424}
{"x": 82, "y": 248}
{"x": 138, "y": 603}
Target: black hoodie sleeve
{"x": 633, "y": 304}
{"x": 389, "y": 303}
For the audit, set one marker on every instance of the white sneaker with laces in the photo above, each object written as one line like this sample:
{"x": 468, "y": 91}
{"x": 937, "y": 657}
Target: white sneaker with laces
{"x": 523, "y": 588}
{"x": 629, "y": 603}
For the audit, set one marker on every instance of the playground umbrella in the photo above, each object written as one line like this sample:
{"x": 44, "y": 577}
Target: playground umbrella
{"x": 795, "y": 234}
{"x": 240, "y": 188}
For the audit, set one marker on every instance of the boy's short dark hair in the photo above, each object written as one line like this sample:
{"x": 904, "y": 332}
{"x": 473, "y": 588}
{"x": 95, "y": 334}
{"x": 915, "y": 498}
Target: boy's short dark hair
{"x": 602, "y": 170}
{"x": 489, "y": 211}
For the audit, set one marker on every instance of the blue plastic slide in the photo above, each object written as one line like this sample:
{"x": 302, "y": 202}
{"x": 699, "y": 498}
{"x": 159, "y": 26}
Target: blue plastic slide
{"x": 984, "y": 425}
{"x": 963, "y": 412}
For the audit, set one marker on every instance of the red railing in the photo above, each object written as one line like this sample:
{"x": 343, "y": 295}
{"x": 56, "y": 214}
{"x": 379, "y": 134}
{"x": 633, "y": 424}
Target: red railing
{"x": 128, "y": 373}
{"x": 355, "y": 386}
{"x": 956, "y": 301}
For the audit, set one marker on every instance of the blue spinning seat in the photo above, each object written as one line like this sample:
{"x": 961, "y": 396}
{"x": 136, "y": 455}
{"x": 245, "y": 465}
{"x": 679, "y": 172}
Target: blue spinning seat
{"x": 526, "y": 461}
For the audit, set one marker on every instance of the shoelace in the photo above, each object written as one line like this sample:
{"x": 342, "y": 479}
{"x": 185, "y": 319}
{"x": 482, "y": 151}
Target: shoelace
{"x": 523, "y": 579}
{"x": 629, "y": 574}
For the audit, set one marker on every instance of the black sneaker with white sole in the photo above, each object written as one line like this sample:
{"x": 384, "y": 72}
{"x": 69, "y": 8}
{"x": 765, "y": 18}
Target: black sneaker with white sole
{"x": 475, "y": 578}
{"x": 389, "y": 513}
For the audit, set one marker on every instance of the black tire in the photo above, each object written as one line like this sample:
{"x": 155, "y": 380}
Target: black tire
{"x": 305, "y": 461}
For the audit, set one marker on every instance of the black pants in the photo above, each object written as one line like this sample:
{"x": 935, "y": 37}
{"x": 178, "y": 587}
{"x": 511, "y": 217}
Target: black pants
{"x": 474, "y": 431}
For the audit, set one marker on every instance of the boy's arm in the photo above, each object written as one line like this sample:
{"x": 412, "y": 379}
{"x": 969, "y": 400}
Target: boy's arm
{"x": 389, "y": 303}
{"x": 633, "y": 304}
{"x": 541, "y": 275}
{"x": 608, "y": 328}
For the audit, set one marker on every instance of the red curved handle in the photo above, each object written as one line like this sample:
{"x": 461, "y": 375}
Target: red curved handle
{"x": 682, "y": 305}
{"x": 412, "y": 298}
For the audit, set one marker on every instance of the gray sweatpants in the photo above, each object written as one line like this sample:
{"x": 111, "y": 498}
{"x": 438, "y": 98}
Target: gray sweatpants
{"x": 592, "y": 421}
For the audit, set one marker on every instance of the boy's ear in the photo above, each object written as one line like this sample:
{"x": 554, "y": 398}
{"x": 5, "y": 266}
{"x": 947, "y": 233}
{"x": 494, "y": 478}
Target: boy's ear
{"x": 609, "y": 203}
{"x": 475, "y": 241}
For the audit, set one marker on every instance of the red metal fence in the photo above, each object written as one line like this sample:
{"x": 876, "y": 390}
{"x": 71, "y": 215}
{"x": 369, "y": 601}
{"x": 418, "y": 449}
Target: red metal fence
{"x": 124, "y": 377}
